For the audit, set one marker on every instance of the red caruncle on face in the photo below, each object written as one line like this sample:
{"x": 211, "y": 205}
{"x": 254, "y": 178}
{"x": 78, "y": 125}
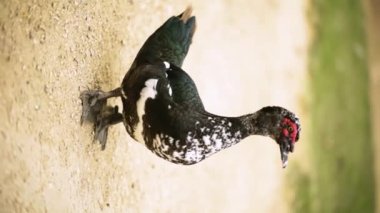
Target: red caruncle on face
{"x": 290, "y": 129}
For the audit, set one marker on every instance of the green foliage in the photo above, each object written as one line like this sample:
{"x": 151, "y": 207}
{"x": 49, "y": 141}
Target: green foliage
{"x": 341, "y": 144}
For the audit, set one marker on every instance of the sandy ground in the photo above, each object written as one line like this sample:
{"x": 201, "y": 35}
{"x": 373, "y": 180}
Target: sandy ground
{"x": 373, "y": 34}
{"x": 246, "y": 54}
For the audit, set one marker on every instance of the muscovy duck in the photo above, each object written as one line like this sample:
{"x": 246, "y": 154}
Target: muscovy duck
{"x": 163, "y": 110}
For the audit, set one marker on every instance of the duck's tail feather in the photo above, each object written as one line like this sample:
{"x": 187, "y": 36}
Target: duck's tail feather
{"x": 170, "y": 42}
{"x": 185, "y": 15}
{"x": 189, "y": 20}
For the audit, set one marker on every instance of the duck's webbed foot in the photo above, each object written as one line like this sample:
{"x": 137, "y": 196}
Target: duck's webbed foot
{"x": 92, "y": 106}
{"x": 94, "y": 102}
{"x": 108, "y": 117}
{"x": 96, "y": 111}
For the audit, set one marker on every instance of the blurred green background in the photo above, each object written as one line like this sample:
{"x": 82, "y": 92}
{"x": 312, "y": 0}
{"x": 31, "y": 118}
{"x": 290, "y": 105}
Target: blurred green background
{"x": 341, "y": 143}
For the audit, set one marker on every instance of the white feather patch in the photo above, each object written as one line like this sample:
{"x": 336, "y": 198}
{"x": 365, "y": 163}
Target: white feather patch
{"x": 149, "y": 91}
{"x": 167, "y": 64}
{"x": 123, "y": 94}
{"x": 170, "y": 90}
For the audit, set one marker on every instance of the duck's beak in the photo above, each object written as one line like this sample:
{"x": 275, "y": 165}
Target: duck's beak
{"x": 286, "y": 146}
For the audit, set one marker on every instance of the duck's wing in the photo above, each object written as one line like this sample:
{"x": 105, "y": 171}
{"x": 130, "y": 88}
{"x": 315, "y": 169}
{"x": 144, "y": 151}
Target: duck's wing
{"x": 184, "y": 91}
{"x": 178, "y": 85}
{"x": 170, "y": 42}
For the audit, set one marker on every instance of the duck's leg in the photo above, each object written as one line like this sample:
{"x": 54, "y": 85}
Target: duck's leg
{"x": 109, "y": 116}
{"x": 94, "y": 102}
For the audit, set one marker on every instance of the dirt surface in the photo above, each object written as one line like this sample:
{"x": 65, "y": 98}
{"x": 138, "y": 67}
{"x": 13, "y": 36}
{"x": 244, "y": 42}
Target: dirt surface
{"x": 246, "y": 54}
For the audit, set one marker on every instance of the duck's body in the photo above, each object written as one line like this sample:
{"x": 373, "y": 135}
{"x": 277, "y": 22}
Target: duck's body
{"x": 162, "y": 108}
{"x": 179, "y": 131}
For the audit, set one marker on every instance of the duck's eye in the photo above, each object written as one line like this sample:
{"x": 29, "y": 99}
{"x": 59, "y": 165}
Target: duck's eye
{"x": 290, "y": 129}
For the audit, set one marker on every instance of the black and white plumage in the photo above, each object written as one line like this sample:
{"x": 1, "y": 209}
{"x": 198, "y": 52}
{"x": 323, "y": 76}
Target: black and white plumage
{"x": 162, "y": 108}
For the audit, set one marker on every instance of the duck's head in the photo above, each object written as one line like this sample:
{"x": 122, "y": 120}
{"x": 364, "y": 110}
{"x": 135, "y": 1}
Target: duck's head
{"x": 281, "y": 125}
{"x": 287, "y": 135}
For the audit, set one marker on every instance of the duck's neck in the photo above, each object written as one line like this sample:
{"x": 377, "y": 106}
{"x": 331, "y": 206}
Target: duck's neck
{"x": 216, "y": 133}
{"x": 261, "y": 123}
